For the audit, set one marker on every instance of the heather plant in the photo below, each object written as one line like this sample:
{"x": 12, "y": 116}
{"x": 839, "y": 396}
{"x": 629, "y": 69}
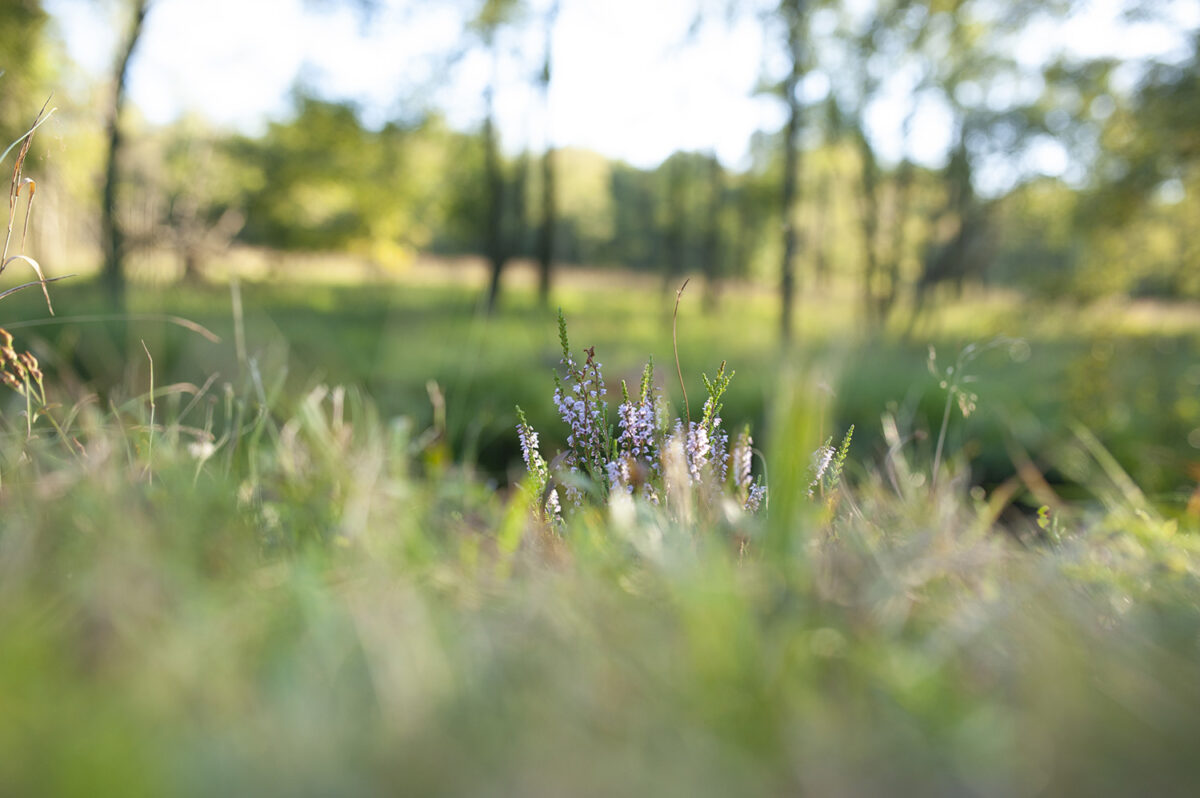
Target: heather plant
{"x": 650, "y": 455}
{"x": 828, "y": 463}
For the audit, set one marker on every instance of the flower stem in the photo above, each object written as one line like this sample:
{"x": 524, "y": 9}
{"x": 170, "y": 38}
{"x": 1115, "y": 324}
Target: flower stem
{"x": 937, "y": 455}
{"x": 675, "y": 342}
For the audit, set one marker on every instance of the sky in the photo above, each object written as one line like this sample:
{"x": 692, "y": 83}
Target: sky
{"x": 629, "y": 81}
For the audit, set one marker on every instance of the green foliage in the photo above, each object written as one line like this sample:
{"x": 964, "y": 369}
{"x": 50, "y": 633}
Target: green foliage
{"x": 1126, "y": 371}
{"x": 1114, "y": 224}
{"x": 829, "y": 465}
{"x": 296, "y": 603}
{"x": 586, "y": 205}
{"x": 1042, "y": 248}
{"x": 493, "y": 15}
{"x": 322, "y": 181}
{"x": 26, "y": 64}
{"x": 259, "y": 580}
{"x": 711, "y": 416}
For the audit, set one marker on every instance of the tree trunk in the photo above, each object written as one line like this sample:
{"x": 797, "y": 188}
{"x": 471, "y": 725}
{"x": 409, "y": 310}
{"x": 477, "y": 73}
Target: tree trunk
{"x": 713, "y": 238}
{"x": 113, "y": 272}
{"x": 793, "y": 11}
{"x": 949, "y": 261}
{"x": 904, "y": 184}
{"x": 497, "y": 253}
{"x": 869, "y": 225}
{"x": 819, "y": 243}
{"x": 547, "y": 229}
{"x": 192, "y": 269}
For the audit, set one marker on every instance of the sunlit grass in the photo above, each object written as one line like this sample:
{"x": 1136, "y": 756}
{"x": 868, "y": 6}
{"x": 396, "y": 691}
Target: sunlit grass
{"x": 323, "y": 607}
{"x": 267, "y": 586}
{"x": 1106, "y": 366}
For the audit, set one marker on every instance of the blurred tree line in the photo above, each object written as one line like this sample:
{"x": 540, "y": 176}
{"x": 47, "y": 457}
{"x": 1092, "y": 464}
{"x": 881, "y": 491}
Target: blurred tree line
{"x": 818, "y": 206}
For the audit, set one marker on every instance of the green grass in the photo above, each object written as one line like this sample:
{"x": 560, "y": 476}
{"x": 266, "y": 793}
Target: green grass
{"x": 325, "y": 607}
{"x": 224, "y": 573}
{"x": 1133, "y": 384}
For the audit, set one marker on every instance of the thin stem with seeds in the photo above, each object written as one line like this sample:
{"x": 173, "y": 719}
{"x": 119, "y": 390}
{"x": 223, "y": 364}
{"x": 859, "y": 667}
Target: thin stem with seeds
{"x": 675, "y": 342}
{"x": 937, "y": 455}
{"x": 150, "y": 445}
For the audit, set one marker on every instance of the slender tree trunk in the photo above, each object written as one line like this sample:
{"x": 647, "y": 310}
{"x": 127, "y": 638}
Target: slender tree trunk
{"x": 869, "y": 225}
{"x": 113, "y": 272}
{"x": 516, "y": 230}
{"x": 549, "y": 177}
{"x": 899, "y": 239}
{"x": 712, "y": 237}
{"x": 743, "y": 244}
{"x": 192, "y": 270}
{"x": 793, "y": 11}
{"x": 497, "y": 252}
{"x": 820, "y": 232}
{"x": 946, "y": 262}
{"x": 547, "y": 230}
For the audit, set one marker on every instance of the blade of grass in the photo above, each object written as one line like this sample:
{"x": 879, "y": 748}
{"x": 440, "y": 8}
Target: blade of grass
{"x": 38, "y": 269}
{"x": 675, "y": 342}
{"x": 150, "y": 445}
{"x": 27, "y": 133}
{"x": 31, "y": 284}
{"x": 178, "y": 321}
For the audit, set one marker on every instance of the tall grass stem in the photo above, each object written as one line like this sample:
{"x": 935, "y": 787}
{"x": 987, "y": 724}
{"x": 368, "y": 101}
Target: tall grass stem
{"x": 675, "y": 343}
{"x": 941, "y": 442}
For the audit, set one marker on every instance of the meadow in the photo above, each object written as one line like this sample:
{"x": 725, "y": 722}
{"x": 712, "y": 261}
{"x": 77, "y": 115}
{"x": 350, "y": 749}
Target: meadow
{"x": 1128, "y": 371}
{"x": 317, "y": 572}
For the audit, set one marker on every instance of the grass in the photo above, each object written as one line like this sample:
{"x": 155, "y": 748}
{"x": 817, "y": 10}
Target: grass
{"x": 223, "y": 573}
{"x": 1135, "y": 386}
{"x": 321, "y": 607}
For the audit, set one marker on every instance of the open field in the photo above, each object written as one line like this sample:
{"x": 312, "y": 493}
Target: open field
{"x": 329, "y": 600}
{"x": 1130, "y": 371}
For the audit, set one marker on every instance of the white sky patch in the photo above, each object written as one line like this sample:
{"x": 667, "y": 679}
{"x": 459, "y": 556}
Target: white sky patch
{"x": 630, "y": 83}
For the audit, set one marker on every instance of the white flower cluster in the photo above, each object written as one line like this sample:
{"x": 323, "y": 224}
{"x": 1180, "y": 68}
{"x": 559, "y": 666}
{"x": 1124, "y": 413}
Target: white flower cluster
{"x": 549, "y": 508}
{"x": 821, "y": 460}
{"x": 750, "y": 493}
